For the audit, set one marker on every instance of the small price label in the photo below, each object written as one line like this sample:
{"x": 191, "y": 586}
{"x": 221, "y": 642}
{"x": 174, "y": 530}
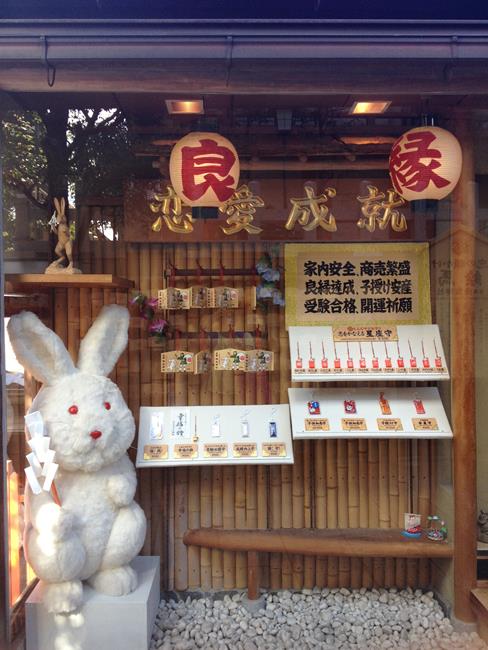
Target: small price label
{"x": 354, "y": 424}
{"x": 245, "y": 450}
{"x": 274, "y": 449}
{"x": 155, "y": 452}
{"x": 317, "y": 424}
{"x": 216, "y": 450}
{"x": 389, "y": 424}
{"x": 425, "y": 424}
{"x": 184, "y": 452}
{"x": 369, "y": 333}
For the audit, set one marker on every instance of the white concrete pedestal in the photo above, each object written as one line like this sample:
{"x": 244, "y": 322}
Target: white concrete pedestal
{"x": 103, "y": 622}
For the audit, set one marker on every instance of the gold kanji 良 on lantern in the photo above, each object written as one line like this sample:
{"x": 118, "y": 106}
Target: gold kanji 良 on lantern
{"x": 312, "y": 211}
{"x": 170, "y": 209}
{"x": 379, "y": 209}
{"x": 204, "y": 169}
{"x": 425, "y": 163}
{"x": 240, "y": 210}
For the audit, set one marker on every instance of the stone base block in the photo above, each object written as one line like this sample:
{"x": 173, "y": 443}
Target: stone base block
{"x": 108, "y": 622}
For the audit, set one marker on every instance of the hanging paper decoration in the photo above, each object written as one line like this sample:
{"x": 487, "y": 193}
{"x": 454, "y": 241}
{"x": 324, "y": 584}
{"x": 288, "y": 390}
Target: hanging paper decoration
{"x": 425, "y": 163}
{"x": 204, "y": 169}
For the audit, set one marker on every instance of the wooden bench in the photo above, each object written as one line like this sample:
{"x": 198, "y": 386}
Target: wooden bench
{"x": 345, "y": 542}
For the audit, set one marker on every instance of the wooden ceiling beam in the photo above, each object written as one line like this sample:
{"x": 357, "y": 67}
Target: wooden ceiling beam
{"x": 365, "y": 78}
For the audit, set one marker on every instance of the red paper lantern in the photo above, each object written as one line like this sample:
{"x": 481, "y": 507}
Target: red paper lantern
{"x": 425, "y": 163}
{"x": 204, "y": 169}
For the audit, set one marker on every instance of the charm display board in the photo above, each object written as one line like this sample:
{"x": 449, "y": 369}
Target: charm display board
{"x": 214, "y": 435}
{"x": 383, "y": 412}
{"x": 386, "y": 353}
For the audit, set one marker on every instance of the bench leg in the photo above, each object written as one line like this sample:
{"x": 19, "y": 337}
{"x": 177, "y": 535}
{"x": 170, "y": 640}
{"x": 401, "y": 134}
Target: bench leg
{"x": 252, "y": 575}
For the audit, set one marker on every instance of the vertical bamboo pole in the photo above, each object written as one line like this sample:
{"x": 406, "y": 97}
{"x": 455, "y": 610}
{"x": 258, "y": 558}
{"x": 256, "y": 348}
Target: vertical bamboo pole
{"x": 320, "y": 505}
{"x": 229, "y": 522}
{"x": 366, "y": 579}
{"x": 218, "y": 385}
{"x": 298, "y": 510}
{"x": 274, "y": 498}
{"x": 206, "y": 522}
{"x": 332, "y": 514}
{"x": 217, "y": 522}
{"x": 424, "y": 503}
{"x": 353, "y": 504}
{"x": 120, "y": 299}
{"x": 238, "y": 560}
{"x": 363, "y": 483}
{"x": 240, "y": 522}
{"x": 158, "y": 514}
{"x": 413, "y": 500}
{"x": 206, "y": 398}
{"x": 342, "y": 508}
{"x": 286, "y": 521}
{"x": 384, "y": 512}
{"x": 275, "y": 522}
{"x": 375, "y": 505}
{"x": 73, "y": 317}
{"x": 134, "y": 334}
{"x": 250, "y": 253}
{"x": 145, "y": 384}
{"x": 261, "y": 321}
{"x": 390, "y": 563}
{"x": 171, "y": 529}
{"x": 403, "y": 505}
{"x": 180, "y": 383}
{"x": 309, "y": 562}
{"x": 286, "y": 492}
{"x": 463, "y": 259}
{"x": 193, "y": 399}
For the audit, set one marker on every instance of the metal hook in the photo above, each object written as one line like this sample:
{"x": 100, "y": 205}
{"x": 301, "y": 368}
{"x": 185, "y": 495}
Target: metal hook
{"x": 50, "y": 67}
{"x": 230, "y": 47}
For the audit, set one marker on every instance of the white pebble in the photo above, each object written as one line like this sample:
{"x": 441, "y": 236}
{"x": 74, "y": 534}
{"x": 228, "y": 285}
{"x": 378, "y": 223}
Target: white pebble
{"x": 343, "y": 619}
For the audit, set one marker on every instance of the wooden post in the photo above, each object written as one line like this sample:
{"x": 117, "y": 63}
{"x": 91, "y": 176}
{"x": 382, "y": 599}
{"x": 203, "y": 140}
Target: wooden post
{"x": 252, "y": 575}
{"x": 463, "y": 261}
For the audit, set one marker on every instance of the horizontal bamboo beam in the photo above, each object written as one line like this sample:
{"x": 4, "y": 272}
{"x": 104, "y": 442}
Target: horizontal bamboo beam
{"x": 338, "y": 542}
{"x": 313, "y": 165}
{"x": 77, "y": 280}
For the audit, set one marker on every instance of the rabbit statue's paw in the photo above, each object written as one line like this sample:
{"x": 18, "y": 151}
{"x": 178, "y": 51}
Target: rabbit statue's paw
{"x": 54, "y": 522}
{"x": 62, "y": 597}
{"x": 114, "y": 582}
{"x": 121, "y": 489}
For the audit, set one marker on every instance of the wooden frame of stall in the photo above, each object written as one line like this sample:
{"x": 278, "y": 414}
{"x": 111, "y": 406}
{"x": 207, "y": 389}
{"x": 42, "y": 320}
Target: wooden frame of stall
{"x": 311, "y": 493}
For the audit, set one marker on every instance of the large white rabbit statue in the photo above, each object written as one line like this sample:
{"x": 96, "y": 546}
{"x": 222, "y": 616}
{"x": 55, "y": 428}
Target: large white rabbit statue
{"x": 98, "y": 529}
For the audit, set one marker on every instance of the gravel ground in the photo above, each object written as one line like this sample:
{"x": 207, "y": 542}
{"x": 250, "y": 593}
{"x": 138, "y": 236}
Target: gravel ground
{"x": 328, "y": 618}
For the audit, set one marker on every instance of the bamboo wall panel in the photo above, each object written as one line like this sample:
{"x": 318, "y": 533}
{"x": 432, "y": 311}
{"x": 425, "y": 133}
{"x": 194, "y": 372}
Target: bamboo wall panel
{"x": 333, "y": 483}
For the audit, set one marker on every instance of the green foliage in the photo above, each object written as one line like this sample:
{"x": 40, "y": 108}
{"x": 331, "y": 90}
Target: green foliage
{"x": 99, "y": 152}
{"x": 95, "y": 162}
{"x": 23, "y": 158}
{"x": 24, "y": 167}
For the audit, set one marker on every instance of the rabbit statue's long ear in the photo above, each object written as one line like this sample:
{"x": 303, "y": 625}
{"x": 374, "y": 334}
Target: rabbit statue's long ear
{"x": 38, "y": 348}
{"x": 105, "y": 341}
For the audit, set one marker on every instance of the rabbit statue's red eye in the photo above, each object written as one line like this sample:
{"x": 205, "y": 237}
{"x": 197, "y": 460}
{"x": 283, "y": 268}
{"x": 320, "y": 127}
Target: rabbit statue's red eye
{"x": 107, "y": 406}
{"x": 73, "y": 410}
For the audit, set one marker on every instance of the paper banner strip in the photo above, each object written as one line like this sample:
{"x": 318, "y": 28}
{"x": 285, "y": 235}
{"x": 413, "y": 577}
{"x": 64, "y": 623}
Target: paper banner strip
{"x": 32, "y": 480}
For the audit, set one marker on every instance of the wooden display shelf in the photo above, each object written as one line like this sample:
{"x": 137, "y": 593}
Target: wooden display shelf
{"x": 479, "y": 603}
{"x": 345, "y": 542}
{"x": 78, "y": 281}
